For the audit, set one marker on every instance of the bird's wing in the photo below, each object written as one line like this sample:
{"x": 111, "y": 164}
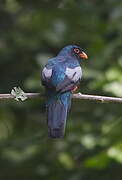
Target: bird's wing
{"x": 54, "y": 75}
{"x": 47, "y": 73}
{"x": 74, "y": 74}
{"x": 72, "y": 78}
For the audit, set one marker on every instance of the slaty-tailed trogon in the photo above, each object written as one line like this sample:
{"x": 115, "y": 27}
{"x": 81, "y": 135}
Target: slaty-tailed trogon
{"x": 60, "y": 76}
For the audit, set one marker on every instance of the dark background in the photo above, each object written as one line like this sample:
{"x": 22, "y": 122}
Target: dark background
{"x": 31, "y": 32}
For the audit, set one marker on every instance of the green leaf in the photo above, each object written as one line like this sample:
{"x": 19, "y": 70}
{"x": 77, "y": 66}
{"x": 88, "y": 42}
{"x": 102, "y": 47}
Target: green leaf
{"x": 99, "y": 161}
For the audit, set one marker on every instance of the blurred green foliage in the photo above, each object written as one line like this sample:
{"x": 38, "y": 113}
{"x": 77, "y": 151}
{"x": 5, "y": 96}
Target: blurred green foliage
{"x": 30, "y": 33}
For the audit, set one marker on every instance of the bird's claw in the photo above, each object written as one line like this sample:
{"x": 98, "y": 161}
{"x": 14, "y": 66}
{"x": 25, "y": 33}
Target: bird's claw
{"x": 80, "y": 93}
{"x": 74, "y": 89}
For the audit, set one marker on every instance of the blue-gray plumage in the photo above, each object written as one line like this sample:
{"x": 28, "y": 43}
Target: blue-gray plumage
{"x": 60, "y": 77}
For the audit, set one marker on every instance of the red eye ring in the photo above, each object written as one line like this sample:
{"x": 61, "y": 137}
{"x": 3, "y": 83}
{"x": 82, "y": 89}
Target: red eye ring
{"x": 76, "y": 50}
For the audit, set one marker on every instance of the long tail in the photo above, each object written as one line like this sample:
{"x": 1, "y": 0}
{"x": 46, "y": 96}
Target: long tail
{"x": 57, "y": 115}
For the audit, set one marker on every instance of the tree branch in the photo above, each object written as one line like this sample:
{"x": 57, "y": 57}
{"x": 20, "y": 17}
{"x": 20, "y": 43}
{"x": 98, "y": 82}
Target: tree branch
{"x": 103, "y": 99}
{"x": 96, "y": 98}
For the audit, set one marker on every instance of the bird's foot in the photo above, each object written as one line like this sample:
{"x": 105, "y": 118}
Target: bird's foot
{"x": 74, "y": 89}
{"x": 79, "y": 93}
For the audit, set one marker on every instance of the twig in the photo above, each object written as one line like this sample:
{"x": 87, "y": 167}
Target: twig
{"x": 102, "y": 99}
{"x": 96, "y": 98}
{"x": 28, "y": 95}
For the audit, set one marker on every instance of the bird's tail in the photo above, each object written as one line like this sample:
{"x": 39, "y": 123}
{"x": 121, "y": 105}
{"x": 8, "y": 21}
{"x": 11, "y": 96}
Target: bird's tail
{"x": 57, "y": 115}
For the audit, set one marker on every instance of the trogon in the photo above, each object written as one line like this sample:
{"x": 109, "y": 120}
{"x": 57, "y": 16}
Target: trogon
{"x": 60, "y": 76}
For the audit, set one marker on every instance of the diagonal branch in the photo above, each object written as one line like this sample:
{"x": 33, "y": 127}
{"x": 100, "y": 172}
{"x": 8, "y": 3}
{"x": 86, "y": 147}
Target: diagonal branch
{"x": 96, "y": 98}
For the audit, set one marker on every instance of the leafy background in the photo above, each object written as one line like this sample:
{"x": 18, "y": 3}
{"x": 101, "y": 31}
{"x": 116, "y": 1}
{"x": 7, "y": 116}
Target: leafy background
{"x": 30, "y": 33}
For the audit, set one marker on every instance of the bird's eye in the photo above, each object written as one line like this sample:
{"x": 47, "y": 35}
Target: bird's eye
{"x": 76, "y": 50}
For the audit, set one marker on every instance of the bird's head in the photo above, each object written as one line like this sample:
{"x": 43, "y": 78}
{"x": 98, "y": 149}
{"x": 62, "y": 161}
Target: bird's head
{"x": 73, "y": 51}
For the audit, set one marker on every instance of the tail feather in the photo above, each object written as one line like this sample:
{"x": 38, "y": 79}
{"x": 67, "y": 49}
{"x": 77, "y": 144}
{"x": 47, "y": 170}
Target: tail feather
{"x": 57, "y": 114}
{"x": 56, "y": 133}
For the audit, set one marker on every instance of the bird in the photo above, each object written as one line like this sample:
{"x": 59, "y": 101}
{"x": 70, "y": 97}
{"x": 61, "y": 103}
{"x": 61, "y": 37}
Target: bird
{"x": 61, "y": 77}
